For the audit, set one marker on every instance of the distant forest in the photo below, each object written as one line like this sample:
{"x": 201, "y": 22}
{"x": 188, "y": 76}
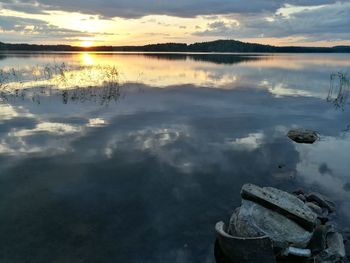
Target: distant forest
{"x": 213, "y": 46}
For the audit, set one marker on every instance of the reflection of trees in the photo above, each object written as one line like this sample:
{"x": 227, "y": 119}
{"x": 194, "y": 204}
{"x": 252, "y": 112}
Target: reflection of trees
{"x": 226, "y": 59}
{"x": 339, "y": 90}
{"x": 213, "y": 58}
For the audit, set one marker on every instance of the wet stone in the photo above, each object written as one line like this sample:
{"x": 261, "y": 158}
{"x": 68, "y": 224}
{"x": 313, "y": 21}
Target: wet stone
{"x": 298, "y": 192}
{"x": 303, "y": 136}
{"x": 282, "y": 202}
{"x": 314, "y": 207}
{"x": 321, "y": 200}
{"x": 254, "y": 220}
{"x": 302, "y": 197}
{"x": 231, "y": 227}
{"x": 335, "y": 245}
{"x": 318, "y": 241}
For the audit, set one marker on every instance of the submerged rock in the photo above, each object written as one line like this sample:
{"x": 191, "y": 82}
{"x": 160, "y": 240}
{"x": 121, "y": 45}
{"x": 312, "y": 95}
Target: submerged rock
{"x": 303, "y": 136}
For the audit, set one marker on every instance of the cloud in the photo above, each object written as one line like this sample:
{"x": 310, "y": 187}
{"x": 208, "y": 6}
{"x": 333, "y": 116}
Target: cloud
{"x": 295, "y": 20}
{"x": 14, "y": 28}
{"x": 27, "y": 25}
{"x": 314, "y": 23}
{"x": 219, "y": 28}
{"x": 180, "y": 8}
{"x": 26, "y": 7}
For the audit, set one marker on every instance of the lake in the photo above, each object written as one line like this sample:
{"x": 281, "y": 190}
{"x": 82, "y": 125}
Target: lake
{"x": 130, "y": 157}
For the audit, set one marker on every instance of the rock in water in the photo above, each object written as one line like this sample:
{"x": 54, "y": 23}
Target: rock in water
{"x": 322, "y": 201}
{"x": 282, "y": 202}
{"x": 335, "y": 245}
{"x": 303, "y": 136}
{"x": 274, "y": 225}
{"x": 314, "y": 207}
{"x": 254, "y": 220}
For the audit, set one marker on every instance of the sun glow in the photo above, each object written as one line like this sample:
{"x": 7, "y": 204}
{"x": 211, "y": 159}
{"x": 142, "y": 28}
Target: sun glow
{"x": 87, "y": 59}
{"x": 86, "y": 44}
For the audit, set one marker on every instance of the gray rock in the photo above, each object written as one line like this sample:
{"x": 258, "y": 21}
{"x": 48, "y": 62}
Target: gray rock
{"x": 300, "y": 252}
{"x": 314, "y": 207}
{"x": 298, "y": 192}
{"x": 335, "y": 245}
{"x": 302, "y": 197}
{"x": 321, "y": 200}
{"x": 231, "y": 227}
{"x": 282, "y": 202}
{"x": 303, "y": 136}
{"x": 318, "y": 242}
{"x": 335, "y": 252}
{"x": 254, "y": 220}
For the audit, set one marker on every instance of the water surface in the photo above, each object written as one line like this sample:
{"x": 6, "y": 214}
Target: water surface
{"x": 134, "y": 157}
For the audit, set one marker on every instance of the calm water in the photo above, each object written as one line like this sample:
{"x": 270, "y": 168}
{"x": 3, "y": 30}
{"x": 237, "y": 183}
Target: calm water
{"x": 135, "y": 157}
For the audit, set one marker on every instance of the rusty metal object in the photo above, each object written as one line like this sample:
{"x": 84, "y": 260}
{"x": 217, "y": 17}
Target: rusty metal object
{"x": 242, "y": 249}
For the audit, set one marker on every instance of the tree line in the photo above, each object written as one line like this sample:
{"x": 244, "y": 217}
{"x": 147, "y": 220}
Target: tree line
{"x": 212, "y": 46}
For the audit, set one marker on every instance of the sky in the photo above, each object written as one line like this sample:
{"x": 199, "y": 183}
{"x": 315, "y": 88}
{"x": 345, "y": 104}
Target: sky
{"x": 139, "y": 22}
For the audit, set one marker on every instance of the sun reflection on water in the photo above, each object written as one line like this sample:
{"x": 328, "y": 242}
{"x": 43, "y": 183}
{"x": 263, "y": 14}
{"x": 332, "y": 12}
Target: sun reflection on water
{"x": 87, "y": 59}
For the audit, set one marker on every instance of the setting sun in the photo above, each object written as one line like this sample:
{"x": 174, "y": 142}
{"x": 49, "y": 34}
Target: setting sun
{"x": 86, "y": 44}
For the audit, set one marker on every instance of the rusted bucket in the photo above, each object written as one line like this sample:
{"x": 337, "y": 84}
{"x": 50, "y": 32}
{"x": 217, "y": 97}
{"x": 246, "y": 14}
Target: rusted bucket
{"x": 232, "y": 249}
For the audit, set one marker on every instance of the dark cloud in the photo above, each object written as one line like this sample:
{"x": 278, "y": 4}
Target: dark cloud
{"x": 180, "y": 8}
{"x": 26, "y": 7}
{"x": 8, "y": 23}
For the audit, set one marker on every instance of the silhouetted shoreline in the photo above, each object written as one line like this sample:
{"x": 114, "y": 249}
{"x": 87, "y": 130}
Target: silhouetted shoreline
{"x": 223, "y": 46}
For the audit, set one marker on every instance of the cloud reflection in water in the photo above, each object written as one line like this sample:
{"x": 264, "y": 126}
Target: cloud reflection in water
{"x": 158, "y": 168}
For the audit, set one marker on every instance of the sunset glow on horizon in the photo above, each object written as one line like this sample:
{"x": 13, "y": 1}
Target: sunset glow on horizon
{"x": 86, "y": 44}
{"x": 87, "y": 23}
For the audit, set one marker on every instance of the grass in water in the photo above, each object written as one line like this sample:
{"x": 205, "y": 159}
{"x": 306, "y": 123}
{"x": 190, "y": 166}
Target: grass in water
{"x": 99, "y": 84}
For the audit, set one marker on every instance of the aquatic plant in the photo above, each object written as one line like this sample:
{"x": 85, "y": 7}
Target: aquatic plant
{"x": 3, "y": 78}
{"x": 74, "y": 83}
{"x": 6, "y": 76}
{"x": 339, "y": 89}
